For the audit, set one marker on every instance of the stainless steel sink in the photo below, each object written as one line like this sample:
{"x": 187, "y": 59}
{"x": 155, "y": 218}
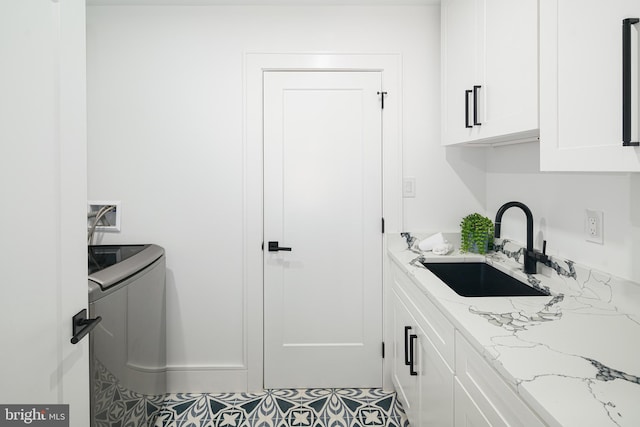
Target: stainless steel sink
{"x": 477, "y": 279}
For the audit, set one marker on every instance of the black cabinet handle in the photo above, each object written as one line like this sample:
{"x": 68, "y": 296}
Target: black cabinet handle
{"x": 82, "y": 326}
{"x": 407, "y": 360}
{"x": 412, "y": 370}
{"x": 626, "y": 82}
{"x": 466, "y": 109}
{"x": 273, "y": 247}
{"x": 475, "y": 105}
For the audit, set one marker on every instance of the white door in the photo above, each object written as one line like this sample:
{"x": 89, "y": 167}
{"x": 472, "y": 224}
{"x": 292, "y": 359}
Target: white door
{"x": 43, "y": 192}
{"x": 322, "y": 199}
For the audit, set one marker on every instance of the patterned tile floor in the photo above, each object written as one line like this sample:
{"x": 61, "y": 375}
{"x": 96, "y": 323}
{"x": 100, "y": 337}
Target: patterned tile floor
{"x": 115, "y": 406}
{"x": 284, "y": 408}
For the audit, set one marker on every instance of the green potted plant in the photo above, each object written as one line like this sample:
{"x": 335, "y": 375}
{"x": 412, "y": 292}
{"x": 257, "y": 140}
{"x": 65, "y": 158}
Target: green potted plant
{"x": 476, "y": 234}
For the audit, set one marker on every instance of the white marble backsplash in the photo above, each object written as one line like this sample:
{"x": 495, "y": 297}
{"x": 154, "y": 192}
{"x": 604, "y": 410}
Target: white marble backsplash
{"x": 573, "y": 356}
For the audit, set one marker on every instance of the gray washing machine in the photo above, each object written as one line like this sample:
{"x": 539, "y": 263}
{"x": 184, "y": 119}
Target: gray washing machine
{"x": 128, "y": 348}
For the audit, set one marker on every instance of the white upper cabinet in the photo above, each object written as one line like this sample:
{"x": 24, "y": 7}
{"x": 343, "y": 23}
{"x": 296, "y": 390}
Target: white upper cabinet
{"x": 489, "y": 71}
{"x": 581, "y": 89}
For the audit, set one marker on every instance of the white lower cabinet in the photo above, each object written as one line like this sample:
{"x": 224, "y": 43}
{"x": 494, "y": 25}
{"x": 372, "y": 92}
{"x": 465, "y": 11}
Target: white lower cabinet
{"x": 435, "y": 384}
{"x": 482, "y": 397}
{"x": 440, "y": 378}
{"x": 423, "y": 380}
{"x": 406, "y": 385}
{"x": 467, "y": 413}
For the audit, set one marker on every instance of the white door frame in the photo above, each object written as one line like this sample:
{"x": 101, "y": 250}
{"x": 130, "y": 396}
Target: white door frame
{"x": 255, "y": 64}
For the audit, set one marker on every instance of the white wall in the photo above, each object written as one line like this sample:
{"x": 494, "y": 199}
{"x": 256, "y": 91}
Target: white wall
{"x": 165, "y": 106}
{"x": 558, "y": 202}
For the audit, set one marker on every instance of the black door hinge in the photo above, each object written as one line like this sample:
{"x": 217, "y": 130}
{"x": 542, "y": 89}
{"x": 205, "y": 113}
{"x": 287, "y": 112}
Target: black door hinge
{"x": 382, "y": 95}
{"x": 383, "y": 349}
{"x": 382, "y": 225}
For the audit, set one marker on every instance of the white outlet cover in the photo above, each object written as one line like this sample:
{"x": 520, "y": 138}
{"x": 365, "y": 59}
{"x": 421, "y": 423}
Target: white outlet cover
{"x": 94, "y": 206}
{"x": 594, "y": 226}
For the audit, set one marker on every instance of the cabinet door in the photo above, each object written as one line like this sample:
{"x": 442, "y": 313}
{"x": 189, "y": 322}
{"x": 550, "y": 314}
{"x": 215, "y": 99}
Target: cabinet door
{"x": 489, "y": 71}
{"x": 431, "y": 320}
{"x": 435, "y": 383}
{"x": 581, "y": 85}
{"x": 508, "y": 72}
{"x": 467, "y": 413}
{"x": 460, "y": 56}
{"x": 406, "y": 385}
{"x": 490, "y": 396}
{"x": 427, "y": 394}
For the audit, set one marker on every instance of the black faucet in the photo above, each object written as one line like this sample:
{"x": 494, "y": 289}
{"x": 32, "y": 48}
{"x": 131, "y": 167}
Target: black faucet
{"x": 531, "y": 256}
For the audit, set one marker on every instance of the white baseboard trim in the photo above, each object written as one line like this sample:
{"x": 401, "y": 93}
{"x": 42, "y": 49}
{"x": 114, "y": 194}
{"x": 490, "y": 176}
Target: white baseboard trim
{"x": 202, "y": 380}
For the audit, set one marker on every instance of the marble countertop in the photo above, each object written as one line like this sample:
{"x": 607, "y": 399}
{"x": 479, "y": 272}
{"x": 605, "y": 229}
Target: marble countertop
{"x": 574, "y": 356}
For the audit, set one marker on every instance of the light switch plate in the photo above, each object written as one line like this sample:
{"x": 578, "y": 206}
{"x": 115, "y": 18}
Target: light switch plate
{"x": 408, "y": 187}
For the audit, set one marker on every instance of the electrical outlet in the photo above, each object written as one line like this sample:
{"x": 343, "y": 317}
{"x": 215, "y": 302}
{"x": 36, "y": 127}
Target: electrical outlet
{"x": 594, "y": 226}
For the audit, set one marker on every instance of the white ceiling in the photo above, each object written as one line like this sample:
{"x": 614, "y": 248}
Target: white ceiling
{"x": 263, "y": 2}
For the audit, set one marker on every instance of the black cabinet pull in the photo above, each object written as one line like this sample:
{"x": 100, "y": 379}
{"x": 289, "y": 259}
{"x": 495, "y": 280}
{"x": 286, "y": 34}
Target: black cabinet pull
{"x": 82, "y": 326}
{"x": 466, "y": 109}
{"x": 407, "y": 360}
{"x": 273, "y": 247}
{"x": 412, "y": 370}
{"x": 626, "y": 82}
{"x": 475, "y": 105}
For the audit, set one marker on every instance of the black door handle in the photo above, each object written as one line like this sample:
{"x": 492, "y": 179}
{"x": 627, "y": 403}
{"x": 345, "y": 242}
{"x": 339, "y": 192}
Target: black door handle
{"x": 626, "y": 82}
{"x": 412, "y": 370}
{"x": 273, "y": 247}
{"x": 466, "y": 109}
{"x": 382, "y": 95}
{"x": 475, "y": 105}
{"x": 407, "y": 360}
{"x": 82, "y": 326}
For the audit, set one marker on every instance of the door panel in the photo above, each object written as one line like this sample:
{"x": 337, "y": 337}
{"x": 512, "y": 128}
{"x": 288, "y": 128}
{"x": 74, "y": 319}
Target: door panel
{"x": 322, "y": 178}
{"x": 43, "y": 175}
